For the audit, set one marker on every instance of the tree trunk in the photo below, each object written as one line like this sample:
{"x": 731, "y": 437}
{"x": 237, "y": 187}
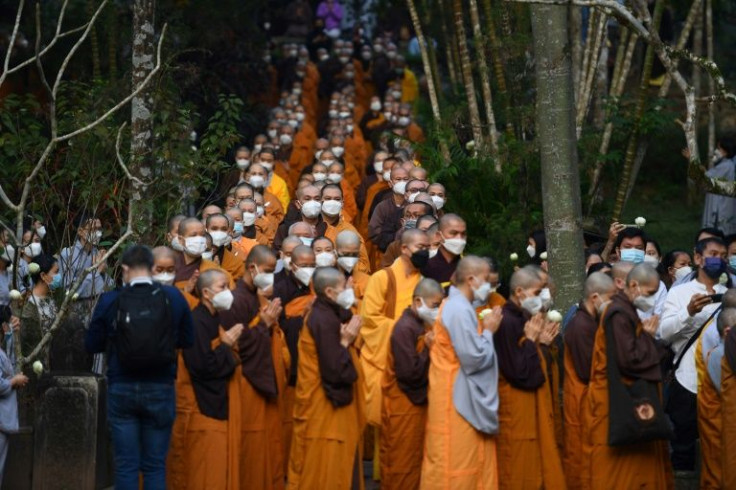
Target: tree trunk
{"x": 711, "y": 82}
{"x": 485, "y": 81}
{"x": 626, "y": 180}
{"x": 558, "y": 145}
{"x": 591, "y": 67}
{"x": 467, "y": 71}
{"x": 497, "y": 60}
{"x": 423, "y": 48}
{"x": 698, "y": 50}
{"x": 575, "y": 16}
{"x": 141, "y": 142}
{"x": 448, "y": 42}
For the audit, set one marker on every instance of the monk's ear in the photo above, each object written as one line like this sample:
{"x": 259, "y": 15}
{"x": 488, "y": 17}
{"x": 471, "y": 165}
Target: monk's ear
{"x": 725, "y": 331}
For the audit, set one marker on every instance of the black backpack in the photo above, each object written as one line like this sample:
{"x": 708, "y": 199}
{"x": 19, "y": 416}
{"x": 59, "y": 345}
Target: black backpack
{"x": 144, "y": 337}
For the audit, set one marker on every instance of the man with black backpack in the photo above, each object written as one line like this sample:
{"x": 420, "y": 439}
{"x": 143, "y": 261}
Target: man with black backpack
{"x": 140, "y": 326}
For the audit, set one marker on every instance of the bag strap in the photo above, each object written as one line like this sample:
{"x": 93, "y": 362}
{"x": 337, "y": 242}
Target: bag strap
{"x": 694, "y": 337}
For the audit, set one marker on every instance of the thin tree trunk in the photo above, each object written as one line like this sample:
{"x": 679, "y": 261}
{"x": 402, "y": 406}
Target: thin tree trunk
{"x": 575, "y": 15}
{"x": 497, "y": 60}
{"x": 692, "y": 17}
{"x": 698, "y": 50}
{"x": 587, "y": 49}
{"x": 601, "y": 84}
{"x": 586, "y": 87}
{"x": 141, "y": 142}
{"x": 448, "y": 42}
{"x": 711, "y": 83}
{"x": 434, "y": 101}
{"x": 467, "y": 71}
{"x": 633, "y": 145}
{"x": 555, "y": 116}
{"x": 485, "y": 80}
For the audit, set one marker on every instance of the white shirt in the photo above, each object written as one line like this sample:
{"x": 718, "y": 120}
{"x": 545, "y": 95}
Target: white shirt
{"x": 677, "y": 326}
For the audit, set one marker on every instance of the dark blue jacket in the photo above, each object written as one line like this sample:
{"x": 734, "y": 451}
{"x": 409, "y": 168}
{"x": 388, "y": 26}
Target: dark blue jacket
{"x": 101, "y": 329}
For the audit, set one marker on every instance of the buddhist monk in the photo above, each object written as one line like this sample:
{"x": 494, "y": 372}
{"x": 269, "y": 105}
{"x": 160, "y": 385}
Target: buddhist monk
{"x": 332, "y": 202}
{"x": 462, "y": 420}
{"x": 172, "y": 232}
{"x": 264, "y": 368}
{"x": 258, "y": 179}
{"x": 335, "y": 175}
{"x": 377, "y": 191}
{"x": 709, "y": 350}
{"x": 220, "y": 228}
{"x": 189, "y": 264}
{"x": 266, "y": 226}
{"x": 388, "y": 293}
{"x": 205, "y": 445}
{"x": 578, "y": 358}
{"x": 276, "y": 184}
{"x": 453, "y": 231}
{"x": 328, "y": 408}
{"x": 240, "y": 243}
{"x": 413, "y": 217}
{"x": 528, "y": 455}
{"x": 643, "y": 465}
{"x": 404, "y": 389}
{"x": 728, "y": 410}
{"x": 348, "y": 245}
{"x": 385, "y": 221}
{"x": 164, "y": 265}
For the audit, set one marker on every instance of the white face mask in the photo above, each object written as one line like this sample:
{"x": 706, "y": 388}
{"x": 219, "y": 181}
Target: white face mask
{"x": 717, "y": 155}
{"x": 327, "y": 163}
{"x": 207, "y": 255}
{"x": 427, "y": 314}
{"x": 33, "y": 249}
{"x": 404, "y": 121}
{"x": 532, "y": 305}
{"x": 318, "y": 176}
{"x": 311, "y": 209}
{"x": 438, "y": 202}
{"x": 412, "y": 196}
{"x": 285, "y": 139}
{"x": 220, "y": 238}
{"x": 242, "y": 163}
{"x": 223, "y": 300}
{"x": 344, "y": 114}
{"x": 332, "y": 113}
{"x": 263, "y": 280}
{"x": 257, "y": 148}
{"x": 256, "y": 181}
{"x": 175, "y": 244}
{"x": 249, "y": 219}
{"x": 387, "y": 176}
{"x": 325, "y": 259}
{"x": 195, "y": 246}
{"x": 400, "y": 187}
{"x": 294, "y": 124}
{"x": 332, "y": 207}
{"x": 166, "y": 278}
{"x": 378, "y": 166}
{"x": 482, "y": 292}
{"x": 267, "y": 165}
{"x": 433, "y": 252}
{"x": 286, "y": 261}
{"x": 651, "y": 260}
{"x": 375, "y": 106}
{"x": 41, "y": 232}
{"x": 306, "y": 240}
{"x": 546, "y": 295}
{"x": 318, "y": 154}
{"x": 531, "y": 251}
{"x": 347, "y": 263}
{"x": 683, "y": 272}
{"x": 337, "y": 151}
{"x": 346, "y": 298}
{"x": 304, "y": 274}
{"x": 455, "y": 246}
{"x": 299, "y": 115}
{"x": 260, "y": 210}
{"x": 335, "y": 178}
{"x": 272, "y": 133}
{"x": 645, "y": 303}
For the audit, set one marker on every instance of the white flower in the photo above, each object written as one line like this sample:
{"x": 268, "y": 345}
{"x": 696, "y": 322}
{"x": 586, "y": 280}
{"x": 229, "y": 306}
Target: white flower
{"x": 543, "y": 255}
{"x": 723, "y": 279}
{"x": 15, "y": 294}
{"x": 485, "y": 312}
{"x": 470, "y": 145}
{"x": 514, "y": 257}
{"x": 33, "y": 268}
{"x": 554, "y": 316}
{"x": 75, "y": 297}
{"x": 640, "y": 221}
{"x": 38, "y": 367}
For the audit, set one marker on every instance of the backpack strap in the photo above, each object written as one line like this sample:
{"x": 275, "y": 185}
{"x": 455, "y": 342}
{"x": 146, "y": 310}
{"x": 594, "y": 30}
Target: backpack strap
{"x": 694, "y": 337}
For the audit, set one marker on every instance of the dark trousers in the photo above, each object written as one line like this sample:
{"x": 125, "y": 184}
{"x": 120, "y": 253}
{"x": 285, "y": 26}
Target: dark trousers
{"x": 682, "y": 410}
{"x": 141, "y": 416}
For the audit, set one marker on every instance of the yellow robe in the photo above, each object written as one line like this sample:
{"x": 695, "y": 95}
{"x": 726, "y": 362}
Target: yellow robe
{"x": 379, "y": 317}
{"x": 278, "y": 188}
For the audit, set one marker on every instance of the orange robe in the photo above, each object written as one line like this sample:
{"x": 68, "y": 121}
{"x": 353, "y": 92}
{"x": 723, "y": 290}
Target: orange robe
{"x": 370, "y": 195}
{"x": 728, "y": 420}
{"x": 233, "y": 261}
{"x": 456, "y": 455}
{"x": 203, "y": 452}
{"x": 272, "y": 206}
{"x": 645, "y": 465}
{"x": 709, "y": 423}
{"x": 326, "y": 440}
{"x": 244, "y": 245}
{"x": 349, "y": 206}
{"x": 402, "y": 431}
{"x": 360, "y": 281}
{"x": 205, "y": 265}
{"x": 332, "y": 231}
{"x": 266, "y": 228}
{"x": 574, "y": 391}
{"x": 355, "y": 158}
{"x": 388, "y": 293}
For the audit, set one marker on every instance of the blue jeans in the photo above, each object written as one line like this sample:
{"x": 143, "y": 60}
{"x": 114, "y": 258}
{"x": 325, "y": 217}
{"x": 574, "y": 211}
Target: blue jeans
{"x": 141, "y": 416}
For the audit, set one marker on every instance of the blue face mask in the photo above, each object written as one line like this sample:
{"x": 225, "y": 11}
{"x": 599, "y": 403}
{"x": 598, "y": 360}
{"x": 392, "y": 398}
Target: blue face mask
{"x": 632, "y": 255}
{"x": 238, "y": 228}
{"x": 714, "y": 267}
{"x": 732, "y": 261}
{"x": 55, "y": 282}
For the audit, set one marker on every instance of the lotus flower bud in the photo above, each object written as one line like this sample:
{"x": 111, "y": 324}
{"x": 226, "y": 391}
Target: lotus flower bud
{"x": 34, "y": 268}
{"x": 514, "y": 257}
{"x": 485, "y": 312}
{"x": 723, "y": 280}
{"x": 75, "y": 297}
{"x": 15, "y": 295}
{"x": 543, "y": 255}
{"x": 640, "y": 222}
{"x": 554, "y": 316}
{"x": 38, "y": 368}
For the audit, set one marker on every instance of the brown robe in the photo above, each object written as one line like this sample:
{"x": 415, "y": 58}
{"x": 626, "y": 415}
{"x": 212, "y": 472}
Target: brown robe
{"x": 644, "y": 465}
{"x": 528, "y": 455}
{"x": 709, "y": 423}
{"x": 329, "y": 413}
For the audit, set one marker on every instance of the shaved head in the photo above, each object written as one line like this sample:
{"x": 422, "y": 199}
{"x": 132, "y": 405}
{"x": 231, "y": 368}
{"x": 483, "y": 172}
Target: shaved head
{"x": 347, "y": 238}
{"x": 410, "y": 237}
{"x": 290, "y": 242}
{"x": 643, "y": 274}
{"x": 207, "y": 278}
{"x": 726, "y": 319}
{"x": 259, "y": 255}
{"x": 302, "y": 252}
{"x": 525, "y": 278}
{"x": 428, "y": 287}
{"x": 621, "y": 269}
{"x": 163, "y": 253}
{"x": 598, "y": 283}
{"x": 326, "y": 277}
{"x": 469, "y": 266}
{"x": 449, "y": 220}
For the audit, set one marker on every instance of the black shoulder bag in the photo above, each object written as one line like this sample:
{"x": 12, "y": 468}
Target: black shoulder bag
{"x": 635, "y": 411}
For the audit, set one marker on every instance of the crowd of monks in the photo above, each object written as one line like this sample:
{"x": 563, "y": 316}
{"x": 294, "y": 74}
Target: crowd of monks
{"x": 359, "y": 331}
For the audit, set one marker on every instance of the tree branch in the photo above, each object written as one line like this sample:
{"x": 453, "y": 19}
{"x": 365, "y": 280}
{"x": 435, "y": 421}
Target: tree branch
{"x": 13, "y": 36}
{"x": 122, "y": 163}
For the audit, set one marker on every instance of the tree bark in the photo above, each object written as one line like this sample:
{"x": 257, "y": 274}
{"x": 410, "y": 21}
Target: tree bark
{"x": 558, "y": 144}
{"x": 141, "y": 120}
{"x": 485, "y": 81}
{"x": 467, "y": 71}
{"x": 711, "y": 83}
{"x": 448, "y": 42}
{"x": 497, "y": 60}
{"x": 576, "y": 42}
